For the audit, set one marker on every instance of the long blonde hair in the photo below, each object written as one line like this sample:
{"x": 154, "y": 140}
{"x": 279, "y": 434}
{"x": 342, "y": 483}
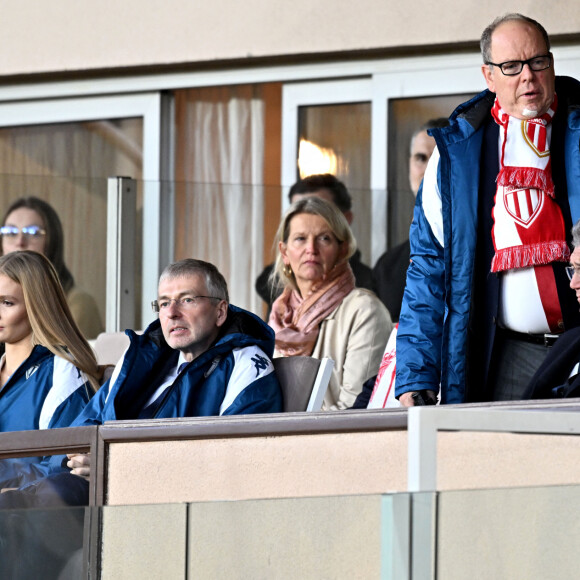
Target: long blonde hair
{"x": 48, "y": 313}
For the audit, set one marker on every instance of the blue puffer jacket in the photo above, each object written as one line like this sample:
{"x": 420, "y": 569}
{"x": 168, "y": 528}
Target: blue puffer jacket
{"x": 45, "y": 391}
{"x": 235, "y": 376}
{"x": 432, "y": 335}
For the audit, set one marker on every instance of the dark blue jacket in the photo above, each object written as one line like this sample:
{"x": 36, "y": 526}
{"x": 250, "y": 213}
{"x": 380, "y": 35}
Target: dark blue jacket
{"x": 432, "y": 341}
{"x": 234, "y": 376}
{"x": 46, "y": 391}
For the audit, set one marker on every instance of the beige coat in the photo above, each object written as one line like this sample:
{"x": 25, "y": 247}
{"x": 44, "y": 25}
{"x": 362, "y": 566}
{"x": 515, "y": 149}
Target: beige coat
{"x": 354, "y": 336}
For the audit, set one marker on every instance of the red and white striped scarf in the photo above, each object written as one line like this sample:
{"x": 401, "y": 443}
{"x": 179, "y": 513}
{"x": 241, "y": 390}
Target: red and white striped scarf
{"x": 528, "y": 226}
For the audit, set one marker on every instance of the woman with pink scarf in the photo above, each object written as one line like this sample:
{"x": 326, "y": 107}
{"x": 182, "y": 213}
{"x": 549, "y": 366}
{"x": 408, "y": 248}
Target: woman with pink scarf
{"x": 320, "y": 312}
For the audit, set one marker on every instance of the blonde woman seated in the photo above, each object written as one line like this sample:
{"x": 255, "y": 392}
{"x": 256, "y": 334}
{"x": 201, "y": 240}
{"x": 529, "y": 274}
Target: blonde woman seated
{"x": 321, "y": 313}
{"x": 48, "y": 372}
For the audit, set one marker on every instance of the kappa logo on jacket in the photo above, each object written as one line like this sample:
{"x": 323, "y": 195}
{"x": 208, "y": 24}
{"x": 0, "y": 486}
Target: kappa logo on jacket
{"x": 260, "y": 363}
{"x": 31, "y": 371}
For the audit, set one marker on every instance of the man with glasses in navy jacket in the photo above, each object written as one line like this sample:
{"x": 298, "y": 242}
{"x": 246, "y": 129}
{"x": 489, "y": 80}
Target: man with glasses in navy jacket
{"x": 487, "y": 292}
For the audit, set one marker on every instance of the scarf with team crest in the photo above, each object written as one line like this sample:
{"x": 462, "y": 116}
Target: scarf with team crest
{"x": 528, "y": 225}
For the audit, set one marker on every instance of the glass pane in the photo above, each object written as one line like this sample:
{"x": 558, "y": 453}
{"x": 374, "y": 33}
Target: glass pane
{"x": 227, "y": 147}
{"x": 319, "y": 537}
{"x": 508, "y": 533}
{"x": 234, "y": 240}
{"x": 43, "y": 543}
{"x": 67, "y": 165}
{"x": 405, "y": 117}
{"x": 337, "y": 139}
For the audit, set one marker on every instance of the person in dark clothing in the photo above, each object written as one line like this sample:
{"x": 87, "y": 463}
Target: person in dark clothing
{"x": 328, "y": 187}
{"x": 558, "y": 376}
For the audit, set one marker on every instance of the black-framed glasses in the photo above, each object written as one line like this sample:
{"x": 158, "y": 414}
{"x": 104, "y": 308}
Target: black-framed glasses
{"x": 186, "y": 302}
{"x": 571, "y": 270}
{"x": 512, "y": 68}
{"x": 28, "y": 231}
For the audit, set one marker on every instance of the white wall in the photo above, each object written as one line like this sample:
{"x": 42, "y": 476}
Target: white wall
{"x": 67, "y": 35}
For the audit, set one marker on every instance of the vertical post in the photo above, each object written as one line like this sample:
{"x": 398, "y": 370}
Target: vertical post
{"x": 424, "y": 536}
{"x": 422, "y": 449}
{"x": 396, "y": 536}
{"x": 121, "y": 217}
{"x": 379, "y": 164}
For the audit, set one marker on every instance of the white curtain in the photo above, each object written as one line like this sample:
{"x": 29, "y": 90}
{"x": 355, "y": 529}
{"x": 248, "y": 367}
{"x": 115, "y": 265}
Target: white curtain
{"x": 220, "y": 205}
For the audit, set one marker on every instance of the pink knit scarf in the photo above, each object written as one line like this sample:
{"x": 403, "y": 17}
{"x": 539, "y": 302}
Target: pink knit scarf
{"x": 296, "y": 319}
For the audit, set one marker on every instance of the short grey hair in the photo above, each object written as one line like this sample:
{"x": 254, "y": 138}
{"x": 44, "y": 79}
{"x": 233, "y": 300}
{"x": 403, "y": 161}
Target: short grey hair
{"x": 214, "y": 281}
{"x": 576, "y": 235}
{"x": 485, "y": 42}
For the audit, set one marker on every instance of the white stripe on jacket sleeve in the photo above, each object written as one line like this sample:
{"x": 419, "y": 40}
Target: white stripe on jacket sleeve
{"x": 250, "y": 364}
{"x": 66, "y": 379}
{"x": 431, "y": 197}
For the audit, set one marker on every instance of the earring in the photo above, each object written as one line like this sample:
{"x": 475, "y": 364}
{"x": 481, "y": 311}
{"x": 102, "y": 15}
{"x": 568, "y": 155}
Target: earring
{"x": 287, "y": 270}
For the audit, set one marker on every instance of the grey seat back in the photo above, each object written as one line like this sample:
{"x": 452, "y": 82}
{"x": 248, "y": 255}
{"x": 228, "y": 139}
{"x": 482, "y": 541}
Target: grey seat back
{"x": 304, "y": 381}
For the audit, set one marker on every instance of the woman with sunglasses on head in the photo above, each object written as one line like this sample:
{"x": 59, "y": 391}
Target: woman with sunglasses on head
{"x": 48, "y": 372}
{"x": 32, "y": 224}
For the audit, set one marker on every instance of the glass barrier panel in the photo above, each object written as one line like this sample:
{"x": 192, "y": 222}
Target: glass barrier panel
{"x": 80, "y": 205}
{"x": 52, "y": 544}
{"x": 233, "y": 227}
{"x": 530, "y": 533}
{"x": 408, "y": 156}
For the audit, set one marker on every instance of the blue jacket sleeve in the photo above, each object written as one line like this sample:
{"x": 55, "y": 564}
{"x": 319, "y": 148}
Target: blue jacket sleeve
{"x": 70, "y": 408}
{"x": 252, "y": 386}
{"x": 262, "y": 396}
{"x": 419, "y": 337}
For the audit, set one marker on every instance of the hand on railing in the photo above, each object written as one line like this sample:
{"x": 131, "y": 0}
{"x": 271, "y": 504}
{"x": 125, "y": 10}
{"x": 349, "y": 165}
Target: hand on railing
{"x": 80, "y": 464}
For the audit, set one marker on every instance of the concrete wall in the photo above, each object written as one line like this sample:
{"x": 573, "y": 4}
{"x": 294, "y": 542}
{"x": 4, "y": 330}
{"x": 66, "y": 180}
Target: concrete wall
{"x": 329, "y": 464}
{"x": 528, "y": 533}
{"x": 64, "y": 35}
{"x": 257, "y": 467}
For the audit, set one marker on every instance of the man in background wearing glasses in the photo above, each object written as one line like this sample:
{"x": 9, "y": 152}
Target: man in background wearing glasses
{"x": 487, "y": 291}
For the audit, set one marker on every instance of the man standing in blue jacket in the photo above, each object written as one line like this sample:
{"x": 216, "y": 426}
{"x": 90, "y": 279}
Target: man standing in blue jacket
{"x": 487, "y": 291}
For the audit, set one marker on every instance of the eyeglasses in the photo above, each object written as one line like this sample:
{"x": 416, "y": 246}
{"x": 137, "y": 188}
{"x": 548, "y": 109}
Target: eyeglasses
{"x": 27, "y": 231}
{"x": 187, "y": 302}
{"x": 511, "y": 68}
{"x": 571, "y": 270}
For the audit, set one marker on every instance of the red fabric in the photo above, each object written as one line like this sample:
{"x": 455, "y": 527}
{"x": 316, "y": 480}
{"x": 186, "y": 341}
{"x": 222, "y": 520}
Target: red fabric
{"x": 529, "y": 228}
{"x": 549, "y": 297}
